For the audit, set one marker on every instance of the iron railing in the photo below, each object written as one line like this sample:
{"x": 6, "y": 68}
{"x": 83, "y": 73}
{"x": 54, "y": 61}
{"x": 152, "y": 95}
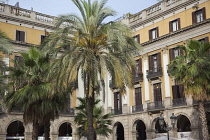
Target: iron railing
{"x": 138, "y": 77}
{"x": 69, "y": 111}
{"x": 155, "y": 105}
{"x": 137, "y": 108}
{"x": 179, "y": 102}
{"x": 154, "y": 73}
{"x": 117, "y": 111}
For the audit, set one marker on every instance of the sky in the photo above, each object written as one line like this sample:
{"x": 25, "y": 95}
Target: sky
{"x": 57, "y": 7}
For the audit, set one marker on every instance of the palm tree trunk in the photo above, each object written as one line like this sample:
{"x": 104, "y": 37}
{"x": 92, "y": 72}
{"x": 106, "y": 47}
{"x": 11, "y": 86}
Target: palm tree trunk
{"x": 91, "y": 135}
{"x": 203, "y": 120}
{"x": 47, "y": 129}
{"x": 35, "y": 131}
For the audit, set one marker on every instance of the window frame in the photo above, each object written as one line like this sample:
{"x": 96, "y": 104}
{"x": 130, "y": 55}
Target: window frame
{"x": 171, "y": 25}
{"x": 150, "y": 33}
{"x": 194, "y": 15}
{"x": 20, "y": 37}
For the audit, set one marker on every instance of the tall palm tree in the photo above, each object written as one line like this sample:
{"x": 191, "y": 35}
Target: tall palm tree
{"x": 101, "y": 122}
{"x": 31, "y": 92}
{"x": 193, "y": 71}
{"x": 95, "y": 49}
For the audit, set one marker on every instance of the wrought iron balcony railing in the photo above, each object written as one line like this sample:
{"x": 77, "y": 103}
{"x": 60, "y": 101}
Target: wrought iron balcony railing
{"x": 69, "y": 111}
{"x": 138, "y": 77}
{"x": 154, "y": 73}
{"x": 179, "y": 102}
{"x": 117, "y": 111}
{"x": 137, "y": 108}
{"x": 155, "y": 105}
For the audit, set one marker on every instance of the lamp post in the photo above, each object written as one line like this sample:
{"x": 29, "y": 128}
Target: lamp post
{"x": 167, "y": 128}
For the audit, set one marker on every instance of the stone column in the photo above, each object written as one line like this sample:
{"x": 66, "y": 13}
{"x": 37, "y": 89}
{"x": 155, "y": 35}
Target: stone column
{"x": 28, "y": 135}
{"x": 196, "y": 133}
{"x": 146, "y": 82}
{"x": 54, "y": 136}
{"x": 150, "y": 133}
{"x": 133, "y": 135}
{"x": 75, "y": 136}
{"x": 3, "y": 136}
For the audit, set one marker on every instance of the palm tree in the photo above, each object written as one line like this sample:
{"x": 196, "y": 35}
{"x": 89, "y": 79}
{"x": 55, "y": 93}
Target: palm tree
{"x": 101, "y": 122}
{"x": 193, "y": 71}
{"x": 95, "y": 49}
{"x": 31, "y": 92}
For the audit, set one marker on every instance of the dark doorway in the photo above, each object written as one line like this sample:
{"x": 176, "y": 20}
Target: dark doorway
{"x": 65, "y": 129}
{"x": 16, "y": 128}
{"x": 158, "y": 128}
{"x": 140, "y": 131}
{"x": 183, "y": 124}
{"x": 120, "y": 132}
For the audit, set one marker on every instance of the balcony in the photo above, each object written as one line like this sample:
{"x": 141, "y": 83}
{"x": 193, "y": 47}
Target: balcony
{"x": 155, "y": 73}
{"x": 138, "y": 77}
{"x": 117, "y": 111}
{"x": 111, "y": 84}
{"x": 137, "y": 108}
{"x": 158, "y": 105}
{"x": 69, "y": 111}
{"x": 179, "y": 102}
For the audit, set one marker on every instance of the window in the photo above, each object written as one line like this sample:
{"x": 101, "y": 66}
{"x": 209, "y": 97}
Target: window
{"x": 198, "y": 15}
{"x": 138, "y": 67}
{"x": 174, "y": 25}
{"x": 174, "y": 52}
{"x": 117, "y": 101}
{"x": 155, "y": 62}
{"x": 20, "y": 36}
{"x": 157, "y": 92}
{"x": 18, "y": 60}
{"x": 137, "y": 38}
{"x": 153, "y": 33}
{"x": 138, "y": 96}
{"x": 206, "y": 39}
{"x": 42, "y": 38}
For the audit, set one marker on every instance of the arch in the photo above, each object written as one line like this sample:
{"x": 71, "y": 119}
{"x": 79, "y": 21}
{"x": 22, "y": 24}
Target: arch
{"x": 157, "y": 127}
{"x": 15, "y": 128}
{"x": 183, "y": 124}
{"x": 65, "y": 129}
{"x": 66, "y": 121}
{"x": 118, "y": 131}
{"x": 139, "y": 130}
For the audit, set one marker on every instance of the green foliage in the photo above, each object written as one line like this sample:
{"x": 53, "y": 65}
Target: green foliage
{"x": 101, "y": 122}
{"x": 193, "y": 69}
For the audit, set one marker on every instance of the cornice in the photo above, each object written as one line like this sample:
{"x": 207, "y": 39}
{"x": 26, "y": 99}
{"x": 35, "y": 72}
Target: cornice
{"x": 163, "y": 13}
{"x": 24, "y": 21}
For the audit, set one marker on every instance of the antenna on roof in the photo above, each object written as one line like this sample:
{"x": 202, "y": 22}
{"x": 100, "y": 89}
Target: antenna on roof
{"x": 17, "y": 5}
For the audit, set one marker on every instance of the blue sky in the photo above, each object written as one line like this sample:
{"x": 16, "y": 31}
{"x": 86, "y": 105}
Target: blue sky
{"x": 57, "y": 7}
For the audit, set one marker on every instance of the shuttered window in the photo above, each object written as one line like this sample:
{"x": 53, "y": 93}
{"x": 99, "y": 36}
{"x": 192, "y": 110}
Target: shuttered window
{"x": 19, "y": 60}
{"x": 137, "y": 38}
{"x": 117, "y": 100}
{"x": 174, "y": 52}
{"x": 42, "y": 38}
{"x": 20, "y": 36}
{"x": 174, "y": 25}
{"x": 199, "y": 15}
{"x": 157, "y": 92}
{"x": 138, "y": 96}
{"x": 153, "y": 33}
{"x": 178, "y": 91}
{"x": 155, "y": 62}
{"x": 138, "y": 67}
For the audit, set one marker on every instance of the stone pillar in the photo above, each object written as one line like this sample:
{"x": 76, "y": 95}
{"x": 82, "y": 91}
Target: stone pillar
{"x": 173, "y": 133}
{"x": 165, "y": 73}
{"x": 196, "y": 133}
{"x": 33, "y": 15}
{"x": 124, "y": 109}
{"x": 167, "y": 102}
{"x": 54, "y": 136}
{"x": 146, "y": 82}
{"x": 133, "y": 135}
{"x": 150, "y": 133}
{"x": 3, "y": 136}
{"x": 75, "y": 136}
{"x": 28, "y": 135}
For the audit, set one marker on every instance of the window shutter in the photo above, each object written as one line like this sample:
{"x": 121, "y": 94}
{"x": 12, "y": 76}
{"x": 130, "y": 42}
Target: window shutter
{"x": 174, "y": 91}
{"x": 150, "y": 34}
{"x": 171, "y": 54}
{"x": 159, "y": 59}
{"x": 204, "y": 13}
{"x": 120, "y": 95}
{"x": 22, "y": 36}
{"x": 170, "y": 26}
{"x": 181, "y": 91}
{"x": 115, "y": 100}
{"x": 151, "y": 62}
{"x": 193, "y": 17}
{"x": 137, "y": 97}
{"x": 179, "y": 23}
{"x": 140, "y": 66}
{"x": 17, "y": 35}
{"x": 157, "y": 29}
{"x": 138, "y": 38}
{"x": 206, "y": 39}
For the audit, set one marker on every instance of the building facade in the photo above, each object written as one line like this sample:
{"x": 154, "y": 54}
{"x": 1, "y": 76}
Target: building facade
{"x": 159, "y": 29}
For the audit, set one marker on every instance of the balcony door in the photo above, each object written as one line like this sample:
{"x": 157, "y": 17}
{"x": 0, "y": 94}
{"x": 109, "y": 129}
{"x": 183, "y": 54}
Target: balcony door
{"x": 157, "y": 94}
{"x": 155, "y": 62}
{"x": 117, "y": 101}
{"x": 138, "y": 97}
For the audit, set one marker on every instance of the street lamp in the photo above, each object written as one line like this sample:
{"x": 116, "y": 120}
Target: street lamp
{"x": 167, "y": 128}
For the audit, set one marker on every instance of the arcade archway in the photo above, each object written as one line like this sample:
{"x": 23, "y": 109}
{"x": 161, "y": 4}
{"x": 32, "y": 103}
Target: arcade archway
{"x": 140, "y": 130}
{"x": 15, "y": 131}
{"x": 65, "y": 131}
{"x": 119, "y": 133}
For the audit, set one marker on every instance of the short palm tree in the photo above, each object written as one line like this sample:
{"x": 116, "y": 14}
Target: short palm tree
{"x": 95, "y": 50}
{"x": 193, "y": 71}
{"x": 31, "y": 92}
{"x": 101, "y": 122}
